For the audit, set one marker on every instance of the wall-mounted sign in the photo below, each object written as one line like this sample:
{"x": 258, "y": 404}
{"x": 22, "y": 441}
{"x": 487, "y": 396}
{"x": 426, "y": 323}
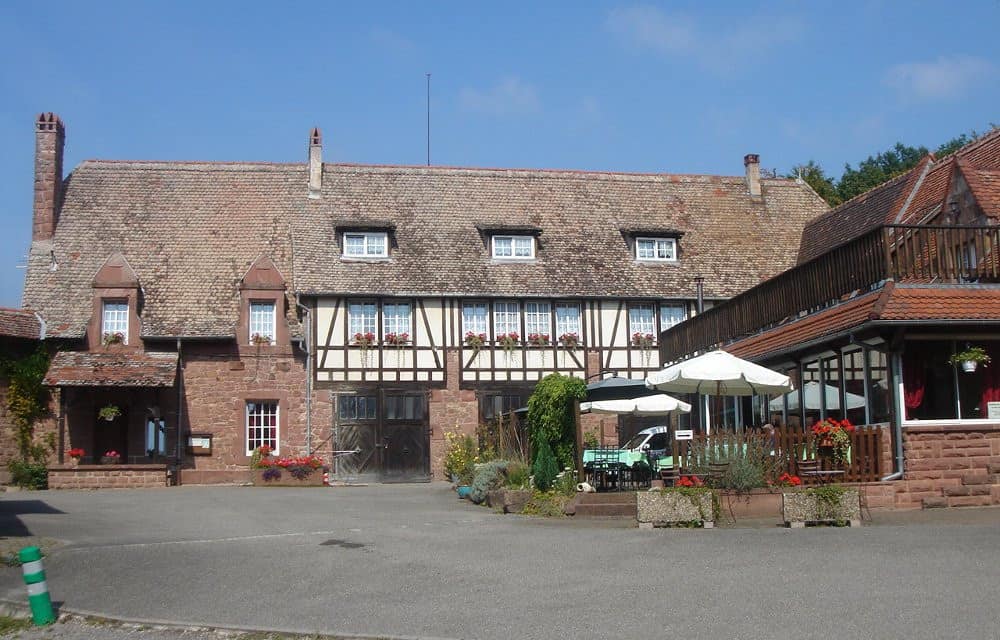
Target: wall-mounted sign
{"x": 684, "y": 434}
{"x": 993, "y": 410}
{"x": 200, "y": 444}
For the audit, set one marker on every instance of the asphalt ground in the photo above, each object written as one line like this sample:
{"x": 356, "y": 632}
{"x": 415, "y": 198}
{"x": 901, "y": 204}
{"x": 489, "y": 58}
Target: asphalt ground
{"x": 414, "y": 561}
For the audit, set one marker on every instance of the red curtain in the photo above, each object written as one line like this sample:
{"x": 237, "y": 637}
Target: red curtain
{"x": 914, "y": 378}
{"x": 991, "y": 381}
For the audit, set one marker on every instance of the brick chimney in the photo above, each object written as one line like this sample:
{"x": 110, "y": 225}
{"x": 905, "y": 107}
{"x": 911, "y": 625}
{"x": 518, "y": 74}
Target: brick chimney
{"x": 49, "y": 140}
{"x": 315, "y": 163}
{"x": 752, "y": 163}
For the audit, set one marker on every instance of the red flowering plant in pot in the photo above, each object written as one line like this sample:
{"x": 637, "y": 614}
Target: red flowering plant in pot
{"x": 75, "y": 455}
{"x": 111, "y": 457}
{"x": 538, "y": 339}
{"x": 788, "y": 480}
{"x": 397, "y": 339}
{"x": 834, "y": 436}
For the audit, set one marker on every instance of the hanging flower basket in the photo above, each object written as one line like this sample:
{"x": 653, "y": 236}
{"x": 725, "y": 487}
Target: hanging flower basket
{"x": 970, "y": 358}
{"x": 109, "y": 412}
{"x": 569, "y": 340}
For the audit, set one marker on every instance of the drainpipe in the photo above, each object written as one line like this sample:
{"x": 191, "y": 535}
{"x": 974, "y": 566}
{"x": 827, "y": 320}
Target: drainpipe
{"x": 307, "y": 347}
{"x": 180, "y": 415}
{"x": 897, "y": 422}
{"x": 699, "y": 285}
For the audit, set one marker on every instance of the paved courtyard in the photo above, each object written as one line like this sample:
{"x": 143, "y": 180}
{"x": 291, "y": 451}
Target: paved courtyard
{"x": 412, "y": 560}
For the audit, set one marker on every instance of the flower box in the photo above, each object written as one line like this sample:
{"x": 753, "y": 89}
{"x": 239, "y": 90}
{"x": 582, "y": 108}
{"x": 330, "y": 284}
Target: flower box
{"x": 673, "y": 507}
{"x": 285, "y": 479}
{"x": 827, "y": 504}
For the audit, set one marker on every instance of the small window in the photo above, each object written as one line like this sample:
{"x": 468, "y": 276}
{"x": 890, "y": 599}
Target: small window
{"x": 664, "y": 249}
{"x": 366, "y": 245}
{"x": 514, "y": 247}
{"x": 672, "y": 314}
{"x": 262, "y": 425}
{"x": 567, "y": 319}
{"x": 405, "y": 407}
{"x": 396, "y": 319}
{"x": 537, "y": 318}
{"x": 262, "y": 321}
{"x": 355, "y": 408}
{"x": 156, "y": 437}
{"x": 474, "y": 317}
{"x": 114, "y": 321}
{"x": 506, "y": 318}
{"x": 641, "y": 320}
{"x": 361, "y": 318}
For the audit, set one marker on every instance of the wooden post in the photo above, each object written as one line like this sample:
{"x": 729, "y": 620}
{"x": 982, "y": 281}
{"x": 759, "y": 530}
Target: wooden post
{"x": 579, "y": 442}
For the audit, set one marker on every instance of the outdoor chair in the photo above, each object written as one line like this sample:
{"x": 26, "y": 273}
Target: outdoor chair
{"x": 669, "y": 476}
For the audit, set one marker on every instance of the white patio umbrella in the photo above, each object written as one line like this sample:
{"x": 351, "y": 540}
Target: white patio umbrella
{"x": 811, "y": 392}
{"x": 655, "y": 405}
{"x": 719, "y": 373}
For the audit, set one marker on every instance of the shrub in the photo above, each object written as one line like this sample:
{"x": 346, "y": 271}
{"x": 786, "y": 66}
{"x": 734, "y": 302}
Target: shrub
{"x": 489, "y": 476}
{"x": 518, "y": 475}
{"x": 29, "y": 475}
{"x": 551, "y": 416}
{"x": 565, "y": 482}
{"x": 545, "y": 468}
{"x": 743, "y": 474}
{"x": 460, "y": 457}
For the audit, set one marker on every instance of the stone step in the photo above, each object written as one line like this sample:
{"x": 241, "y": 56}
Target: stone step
{"x": 606, "y": 510}
{"x": 968, "y": 490}
{"x": 935, "y": 503}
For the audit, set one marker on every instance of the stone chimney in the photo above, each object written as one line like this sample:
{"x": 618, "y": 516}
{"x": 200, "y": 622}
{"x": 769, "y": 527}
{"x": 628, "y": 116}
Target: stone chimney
{"x": 315, "y": 163}
{"x": 752, "y": 163}
{"x": 50, "y": 138}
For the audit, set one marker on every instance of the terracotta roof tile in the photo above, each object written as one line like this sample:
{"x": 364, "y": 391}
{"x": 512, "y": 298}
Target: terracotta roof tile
{"x": 929, "y": 302}
{"x": 191, "y": 230}
{"x": 112, "y": 369}
{"x": 19, "y": 323}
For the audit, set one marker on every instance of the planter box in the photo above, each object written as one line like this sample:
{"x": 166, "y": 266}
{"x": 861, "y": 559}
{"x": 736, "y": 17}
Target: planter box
{"x": 801, "y": 507}
{"x": 314, "y": 479}
{"x": 666, "y": 507}
{"x": 757, "y": 503}
{"x": 508, "y": 500}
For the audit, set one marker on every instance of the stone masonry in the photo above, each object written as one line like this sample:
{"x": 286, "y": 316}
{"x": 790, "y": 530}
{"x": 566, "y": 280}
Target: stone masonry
{"x": 950, "y": 466}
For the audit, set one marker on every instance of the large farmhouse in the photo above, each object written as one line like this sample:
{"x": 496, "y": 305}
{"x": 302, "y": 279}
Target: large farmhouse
{"x": 202, "y": 309}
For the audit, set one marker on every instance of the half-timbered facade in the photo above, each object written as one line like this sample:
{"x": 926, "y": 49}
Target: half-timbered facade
{"x": 339, "y": 308}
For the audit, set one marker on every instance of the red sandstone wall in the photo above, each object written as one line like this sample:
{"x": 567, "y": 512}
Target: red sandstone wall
{"x": 950, "y": 466}
{"x": 93, "y": 477}
{"x": 450, "y": 409}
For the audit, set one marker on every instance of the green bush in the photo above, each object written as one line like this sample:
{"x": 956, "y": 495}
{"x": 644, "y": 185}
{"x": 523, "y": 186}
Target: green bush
{"x": 551, "y": 416}
{"x": 743, "y": 474}
{"x": 545, "y": 468}
{"x": 518, "y": 476}
{"x": 565, "y": 483}
{"x": 489, "y": 477}
{"x": 29, "y": 475}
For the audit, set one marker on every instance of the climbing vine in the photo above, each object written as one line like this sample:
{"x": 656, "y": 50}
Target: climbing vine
{"x": 27, "y": 397}
{"x": 551, "y": 417}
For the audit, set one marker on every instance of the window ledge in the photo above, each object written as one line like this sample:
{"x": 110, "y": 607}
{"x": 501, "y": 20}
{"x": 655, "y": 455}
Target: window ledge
{"x": 364, "y": 259}
{"x": 495, "y": 260}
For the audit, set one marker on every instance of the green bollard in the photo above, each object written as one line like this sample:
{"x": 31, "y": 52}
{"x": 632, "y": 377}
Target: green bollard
{"x": 38, "y": 589}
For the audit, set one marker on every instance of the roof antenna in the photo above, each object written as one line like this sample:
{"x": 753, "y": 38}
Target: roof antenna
{"x": 428, "y": 119}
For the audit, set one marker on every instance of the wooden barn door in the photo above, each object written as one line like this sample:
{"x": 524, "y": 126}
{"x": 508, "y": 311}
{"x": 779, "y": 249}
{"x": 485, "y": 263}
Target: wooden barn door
{"x": 391, "y": 432}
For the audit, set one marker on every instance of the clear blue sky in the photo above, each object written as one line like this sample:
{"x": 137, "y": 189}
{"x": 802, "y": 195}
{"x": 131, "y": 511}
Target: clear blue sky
{"x": 683, "y": 87}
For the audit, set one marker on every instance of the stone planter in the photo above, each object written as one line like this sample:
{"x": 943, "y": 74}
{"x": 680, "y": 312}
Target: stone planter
{"x": 666, "y": 507}
{"x": 756, "y": 503}
{"x": 508, "y": 500}
{"x": 111, "y": 459}
{"x": 314, "y": 479}
{"x": 805, "y": 506}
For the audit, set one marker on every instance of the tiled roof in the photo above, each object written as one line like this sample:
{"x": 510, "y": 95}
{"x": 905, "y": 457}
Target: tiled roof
{"x": 930, "y": 302}
{"x": 907, "y": 199}
{"x": 824, "y": 323}
{"x": 126, "y": 368}
{"x": 894, "y": 303}
{"x": 985, "y": 186}
{"x": 191, "y": 230}
{"x": 18, "y": 323}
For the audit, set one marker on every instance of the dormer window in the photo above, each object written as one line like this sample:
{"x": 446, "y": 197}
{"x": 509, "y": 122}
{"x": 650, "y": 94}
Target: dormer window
{"x": 514, "y": 247}
{"x": 658, "y": 249}
{"x": 370, "y": 244}
{"x": 114, "y": 321}
{"x": 262, "y": 322}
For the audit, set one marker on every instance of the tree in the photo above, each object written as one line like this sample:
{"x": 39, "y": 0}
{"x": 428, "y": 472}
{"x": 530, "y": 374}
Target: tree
{"x": 545, "y": 468}
{"x": 874, "y": 170}
{"x": 551, "y": 416}
{"x": 813, "y": 175}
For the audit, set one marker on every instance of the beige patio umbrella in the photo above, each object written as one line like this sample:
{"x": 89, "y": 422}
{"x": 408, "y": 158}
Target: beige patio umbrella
{"x": 659, "y": 404}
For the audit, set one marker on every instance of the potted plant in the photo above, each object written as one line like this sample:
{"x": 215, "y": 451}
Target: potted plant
{"x": 642, "y": 340}
{"x": 538, "y": 339}
{"x": 109, "y": 412}
{"x": 260, "y": 339}
{"x": 74, "y": 456}
{"x": 508, "y": 342}
{"x": 397, "y": 339}
{"x": 111, "y": 457}
{"x": 364, "y": 341}
{"x": 835, "y": 437}
{"x": 569, "y": 340}
{"x": 970, "y": 358}
{"x": 112, "y": 337}
{"x": 475, "y": 341}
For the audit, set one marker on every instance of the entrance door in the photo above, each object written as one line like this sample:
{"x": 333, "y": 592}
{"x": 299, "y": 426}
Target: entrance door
{"x": 111, "y": 436}
{"x": 391, "y": 433}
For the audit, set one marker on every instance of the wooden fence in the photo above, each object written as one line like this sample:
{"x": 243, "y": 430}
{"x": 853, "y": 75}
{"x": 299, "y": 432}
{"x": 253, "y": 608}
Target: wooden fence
{"x": 783, "y": 453}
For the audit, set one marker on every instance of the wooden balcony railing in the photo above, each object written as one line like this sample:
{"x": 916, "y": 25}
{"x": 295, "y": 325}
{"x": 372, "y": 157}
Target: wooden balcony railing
{"x": 903, "y": 253}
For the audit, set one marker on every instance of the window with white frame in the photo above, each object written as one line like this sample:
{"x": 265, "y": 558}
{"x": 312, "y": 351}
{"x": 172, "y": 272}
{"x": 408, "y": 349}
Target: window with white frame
{"x": 537, "y": 318}
{"x": 396, "y": 318}
{"x": 114, "y": 321}
{"x": 641, "y": 319}
{"x": 475, "y": 318}
{"x": 262, "y": 425}
{"x": 366, "y": 245}
{"x": 567, "y": 319}
{"x": 361, "y": 317}
{"x": 514, "y": 247}
{"x": 664, "y": 249}
{"x": 262, "y": 321}
{"x": 671, "y": 314}
{"x": 506, "y": 318}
